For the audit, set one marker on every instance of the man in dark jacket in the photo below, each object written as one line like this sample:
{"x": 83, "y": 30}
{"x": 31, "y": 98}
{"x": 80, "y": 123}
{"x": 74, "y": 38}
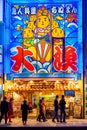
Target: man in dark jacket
{"x": 4, "y": 109}
{"x": 55, "y": 109}
{"x": 25, "y": 109}
{"x": 62, "y": 104}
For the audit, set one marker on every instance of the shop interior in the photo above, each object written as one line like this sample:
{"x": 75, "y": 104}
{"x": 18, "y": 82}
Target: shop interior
{"x": 34, "y": 89}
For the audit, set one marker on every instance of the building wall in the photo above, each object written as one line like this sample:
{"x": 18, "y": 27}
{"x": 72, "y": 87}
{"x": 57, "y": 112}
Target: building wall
{"x": 85, "y": 54}
{"x": 85, "y": 45}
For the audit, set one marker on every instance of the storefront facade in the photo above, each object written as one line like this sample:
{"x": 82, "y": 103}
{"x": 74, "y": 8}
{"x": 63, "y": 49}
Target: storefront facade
{"x": 43, "y": 53}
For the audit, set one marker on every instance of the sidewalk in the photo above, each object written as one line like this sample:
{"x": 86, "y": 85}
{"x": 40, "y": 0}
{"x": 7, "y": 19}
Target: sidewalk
{"x": 17, "y": 122}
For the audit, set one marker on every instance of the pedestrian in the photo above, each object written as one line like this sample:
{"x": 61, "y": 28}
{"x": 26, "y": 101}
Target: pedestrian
{"x": 40, "y": 107}
{"x": 56, "y": 109}
{"x": 41, "y": 112}
{"x": 44, "y": 109}
{"x": 35, "y": 105}
{"x": 24, "y": 108}
{"x": 62, "y": 104}
{"x": 10, "y": 111}
{"x": 4, "y": 109}
{"x": 30, "y": 107}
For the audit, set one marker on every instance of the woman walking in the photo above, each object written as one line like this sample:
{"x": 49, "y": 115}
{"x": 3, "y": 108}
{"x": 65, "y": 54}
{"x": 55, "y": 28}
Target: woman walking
{"x": 56, "y": 109}
{"x": 41, "y": 112}
{"x": 10, "y": 109}
{"x": 24, "y": 108}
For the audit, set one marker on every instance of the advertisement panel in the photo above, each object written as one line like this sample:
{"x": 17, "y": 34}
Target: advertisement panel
{"x": 44, "y": 38}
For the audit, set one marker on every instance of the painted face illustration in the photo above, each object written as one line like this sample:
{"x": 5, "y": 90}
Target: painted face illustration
{"x": 58, "y": 32}
{"x": 31, "y": 25}
{"x": 32, "y": 17}
{"x": 27, "y": 33}
{"x": 43, "y": 21}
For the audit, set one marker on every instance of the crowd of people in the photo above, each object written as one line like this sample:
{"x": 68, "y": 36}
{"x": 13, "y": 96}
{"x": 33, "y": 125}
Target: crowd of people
{"x": 7, "y": 110}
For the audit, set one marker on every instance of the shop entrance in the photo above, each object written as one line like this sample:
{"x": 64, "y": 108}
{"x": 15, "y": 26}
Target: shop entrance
{"x": 34, "y": 89}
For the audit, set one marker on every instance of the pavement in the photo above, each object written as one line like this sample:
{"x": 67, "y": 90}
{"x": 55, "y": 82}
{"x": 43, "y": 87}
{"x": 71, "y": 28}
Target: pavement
{"x": 17, "y": 122}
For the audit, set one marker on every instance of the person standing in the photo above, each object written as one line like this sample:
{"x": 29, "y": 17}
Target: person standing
{"x": 62, "y": 104}
{"x": 39, "y": 109}
{"x": 4, "y": 109}
{"x": 41, "y": 112}
{"x": 10, "y": 111}
{"x": 55, "y": 109}
{"x": 24, "y": 108}
{"x": 44, "y": 109}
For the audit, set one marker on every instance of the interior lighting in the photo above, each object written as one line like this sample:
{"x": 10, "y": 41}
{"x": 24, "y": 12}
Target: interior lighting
{"x": 52, "y": 94}
{"x": 31, "y": 82}
{"x": 40, "y": 93}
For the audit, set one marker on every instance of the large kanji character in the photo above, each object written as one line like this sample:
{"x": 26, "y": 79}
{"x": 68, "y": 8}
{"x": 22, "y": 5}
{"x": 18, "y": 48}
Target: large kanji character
{"x": 70, "y": 59}
{"x": 19, "y": 59}
{"x": 65, "y": 59}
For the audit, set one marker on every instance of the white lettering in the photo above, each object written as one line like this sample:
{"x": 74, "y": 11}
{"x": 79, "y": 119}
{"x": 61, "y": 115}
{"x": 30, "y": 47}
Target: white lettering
{"x": 54, "y": 9}
{"x": 33, "y": 10}
{"x": 68, "y": 9}
{"x": 74, "y": 10}
{"x": 19, "y": 11}
{"x": 27, "y": 11}
{"x": 13, "y": 11}
{"x": 61, "y": 9}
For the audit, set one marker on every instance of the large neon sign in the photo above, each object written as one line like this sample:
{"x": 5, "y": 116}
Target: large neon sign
{"x": 44, "y": 38}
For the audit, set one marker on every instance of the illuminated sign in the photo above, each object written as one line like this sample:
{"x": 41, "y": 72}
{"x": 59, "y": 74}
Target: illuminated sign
{"x": 41, "y": 87}
{"x": 45, "y": 38}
